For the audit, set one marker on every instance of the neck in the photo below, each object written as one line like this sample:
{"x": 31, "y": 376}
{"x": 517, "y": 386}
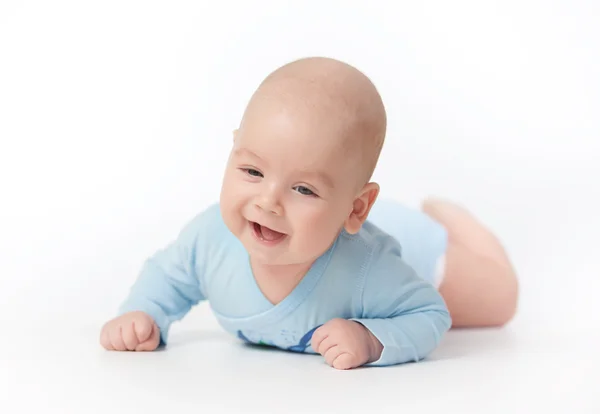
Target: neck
{"x": 281, "y": 272}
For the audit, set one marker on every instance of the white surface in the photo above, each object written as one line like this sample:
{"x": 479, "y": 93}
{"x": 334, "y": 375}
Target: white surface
{"x": 205, "y": 370}
{"x": 115, "y": 121}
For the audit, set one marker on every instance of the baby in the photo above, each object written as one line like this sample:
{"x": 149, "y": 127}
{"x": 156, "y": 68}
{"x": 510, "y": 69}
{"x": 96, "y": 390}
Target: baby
{"x": 300, "y": 254}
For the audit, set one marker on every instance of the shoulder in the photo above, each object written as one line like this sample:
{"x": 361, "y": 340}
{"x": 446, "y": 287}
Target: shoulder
{"x": 207, "y": 242}
{"x": 386, "y": 270}
{"x": 374, "y": 241}
{"x": 386, "y": 262}
{"x": 209, "y": 217}
{"x": 376, "y": 254}
{"x": 390, "y": 285}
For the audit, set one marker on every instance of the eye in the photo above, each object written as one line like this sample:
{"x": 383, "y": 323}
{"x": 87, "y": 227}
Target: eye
{"x": 253, "y": 172}
{"x": 305, "y": 191}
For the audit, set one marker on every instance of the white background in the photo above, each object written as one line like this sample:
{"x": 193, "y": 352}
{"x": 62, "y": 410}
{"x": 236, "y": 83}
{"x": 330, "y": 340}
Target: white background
{"x": 115, "y": 122}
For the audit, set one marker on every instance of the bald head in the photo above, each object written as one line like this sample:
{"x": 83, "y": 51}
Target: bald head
{"x": 331, "y": 93}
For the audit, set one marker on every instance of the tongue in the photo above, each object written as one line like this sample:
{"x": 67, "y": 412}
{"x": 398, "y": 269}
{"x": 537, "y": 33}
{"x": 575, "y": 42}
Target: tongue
{"x": 270, "y": 235}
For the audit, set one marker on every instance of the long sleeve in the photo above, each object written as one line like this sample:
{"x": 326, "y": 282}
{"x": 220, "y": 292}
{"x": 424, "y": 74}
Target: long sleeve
{"x": 406, "y": 313}
{"x": 168, "y": 285}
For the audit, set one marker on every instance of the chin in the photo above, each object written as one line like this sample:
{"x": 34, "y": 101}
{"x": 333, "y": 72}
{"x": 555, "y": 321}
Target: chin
{"x": 267, "y": 260}
{"x": 270, "y": 258}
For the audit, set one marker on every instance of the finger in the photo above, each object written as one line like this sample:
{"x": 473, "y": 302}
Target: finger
{"x": 152, "y": 343}
{"x": 143, "y": 329}
{"x": 345, "y": 361}
{"x": 332, "y": 354}
{"x": 105, "y": 340}
{"x": 325, "y": 345}
{"x": 129, "y": 337}
{"x": 320, "y": 334}
{"x": 116, "y": 339}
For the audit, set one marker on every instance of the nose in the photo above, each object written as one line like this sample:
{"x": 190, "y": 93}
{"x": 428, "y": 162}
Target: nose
{"x": 269, "y": 201}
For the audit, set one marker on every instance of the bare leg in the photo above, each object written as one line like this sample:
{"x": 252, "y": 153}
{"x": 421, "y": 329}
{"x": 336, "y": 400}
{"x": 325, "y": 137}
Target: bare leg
{"x": 480, "y": 285}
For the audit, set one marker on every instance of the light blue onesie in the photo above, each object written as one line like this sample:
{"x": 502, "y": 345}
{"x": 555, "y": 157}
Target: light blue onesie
{"x": 363, "y": 277}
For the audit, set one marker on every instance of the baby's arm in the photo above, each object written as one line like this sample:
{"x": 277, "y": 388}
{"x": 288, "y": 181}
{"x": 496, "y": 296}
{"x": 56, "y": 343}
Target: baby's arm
{"x": 165, "y": 291}
{"x": 405, "y": 313}
{"x": 402, "y": 319}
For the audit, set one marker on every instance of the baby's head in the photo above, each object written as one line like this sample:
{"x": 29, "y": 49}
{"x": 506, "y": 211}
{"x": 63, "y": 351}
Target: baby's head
{"x": 302, "y": 159}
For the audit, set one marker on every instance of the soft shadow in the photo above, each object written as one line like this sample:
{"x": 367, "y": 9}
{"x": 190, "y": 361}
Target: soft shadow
{"x": 272, "y": 349}
{"x": 192, "y": 337}
{"x": 468, "y": 342}
{"x": 457, "y": 343}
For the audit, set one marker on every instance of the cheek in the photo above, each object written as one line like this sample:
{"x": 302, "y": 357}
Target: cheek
{"x": 233, "y": 190}
{"x": 322, "y": 223}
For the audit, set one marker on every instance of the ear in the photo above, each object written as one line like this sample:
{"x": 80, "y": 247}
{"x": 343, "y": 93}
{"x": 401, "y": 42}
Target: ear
{"x": 361, "y": 207}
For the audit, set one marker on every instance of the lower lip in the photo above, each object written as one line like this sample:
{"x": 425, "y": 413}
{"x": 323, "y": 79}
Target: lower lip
{"x": 258, "y": 237}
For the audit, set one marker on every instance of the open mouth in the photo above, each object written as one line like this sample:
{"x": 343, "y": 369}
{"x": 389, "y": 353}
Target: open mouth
{"x": 266, "y": 234}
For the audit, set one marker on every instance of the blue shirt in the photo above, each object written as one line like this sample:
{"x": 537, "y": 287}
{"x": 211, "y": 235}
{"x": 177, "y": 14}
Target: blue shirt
{"x": 361, "y": 277}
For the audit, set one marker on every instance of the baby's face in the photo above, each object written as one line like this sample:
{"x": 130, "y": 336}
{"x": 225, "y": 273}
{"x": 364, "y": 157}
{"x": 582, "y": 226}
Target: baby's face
{"x": 289, "y": 185}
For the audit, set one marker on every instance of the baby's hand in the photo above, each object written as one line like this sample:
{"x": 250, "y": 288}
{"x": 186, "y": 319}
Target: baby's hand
{"x": 346, "y": 344}
{"x": 133, "y": 331}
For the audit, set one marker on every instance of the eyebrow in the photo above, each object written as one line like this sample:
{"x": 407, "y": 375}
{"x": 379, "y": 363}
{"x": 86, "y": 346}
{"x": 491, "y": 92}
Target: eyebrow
{"x": 322, "y": 177}
{"x": 242, "y": 151}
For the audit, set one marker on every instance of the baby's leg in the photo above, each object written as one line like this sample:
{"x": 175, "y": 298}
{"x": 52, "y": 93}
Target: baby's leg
{"x": 479, "y": 285}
